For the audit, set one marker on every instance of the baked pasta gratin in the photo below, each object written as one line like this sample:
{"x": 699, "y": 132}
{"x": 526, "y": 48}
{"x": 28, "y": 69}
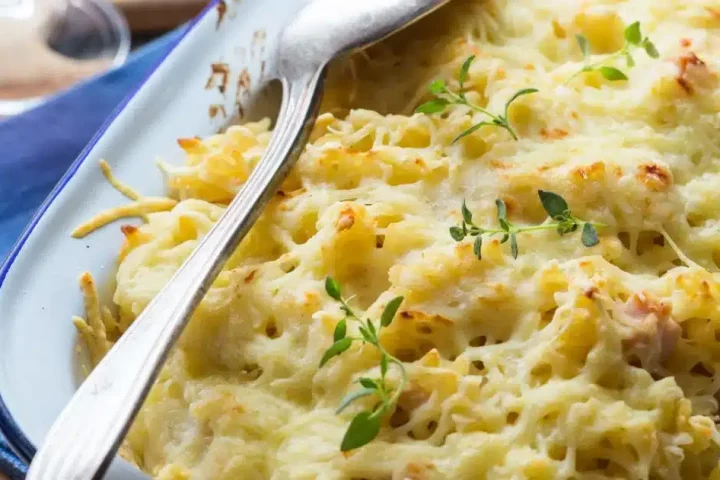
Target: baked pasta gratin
{"x": 591, "y": 355}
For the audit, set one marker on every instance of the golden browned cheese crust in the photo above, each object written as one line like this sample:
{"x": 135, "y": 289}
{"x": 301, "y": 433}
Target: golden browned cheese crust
{"x": 568, "y": 362}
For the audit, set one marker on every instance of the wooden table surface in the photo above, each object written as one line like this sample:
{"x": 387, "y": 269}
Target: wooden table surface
{"x": 158, "y": 15}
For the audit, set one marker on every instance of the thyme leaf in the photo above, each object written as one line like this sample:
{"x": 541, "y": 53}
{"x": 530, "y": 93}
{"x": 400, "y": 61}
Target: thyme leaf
{"x": 555, "y": 206}
{"x": 362, "y": 430}
{"x": 633, "y": 41}
{"x": 444, "y": 97}
{"x": 365, "y": 426}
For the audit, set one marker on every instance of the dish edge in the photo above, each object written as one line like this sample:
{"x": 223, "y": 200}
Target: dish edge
{"x": 14, "y": 435}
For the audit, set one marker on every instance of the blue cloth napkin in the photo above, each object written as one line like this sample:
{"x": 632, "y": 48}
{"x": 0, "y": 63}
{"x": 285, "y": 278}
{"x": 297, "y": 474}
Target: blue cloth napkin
{"x": 38, "y": 146}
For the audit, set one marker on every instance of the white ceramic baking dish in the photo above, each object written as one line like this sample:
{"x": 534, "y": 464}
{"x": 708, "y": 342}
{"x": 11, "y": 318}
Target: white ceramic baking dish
{"x": 198, "y": 89}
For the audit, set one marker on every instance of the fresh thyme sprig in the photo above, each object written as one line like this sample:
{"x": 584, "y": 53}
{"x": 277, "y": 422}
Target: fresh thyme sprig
{"x": 555, "y": 206}
{"x": 444, "y": 97}
{"x": 365, "y": 426}
{"x": 633, "y": 39}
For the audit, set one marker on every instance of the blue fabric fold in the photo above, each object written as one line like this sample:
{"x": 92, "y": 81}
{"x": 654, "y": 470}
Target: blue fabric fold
{"x": 37, "y": 147}
{"x": 10, "y": 464}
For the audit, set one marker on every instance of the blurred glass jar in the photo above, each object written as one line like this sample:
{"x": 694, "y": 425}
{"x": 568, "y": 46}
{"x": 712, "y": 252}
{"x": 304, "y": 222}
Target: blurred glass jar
{"x": 48, "y": 45}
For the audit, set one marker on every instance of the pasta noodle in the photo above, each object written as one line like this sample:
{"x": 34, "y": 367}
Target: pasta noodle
{"x": 568, "y": 362}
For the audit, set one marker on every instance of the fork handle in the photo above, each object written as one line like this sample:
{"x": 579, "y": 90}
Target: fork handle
{"x": 84, "y": 439}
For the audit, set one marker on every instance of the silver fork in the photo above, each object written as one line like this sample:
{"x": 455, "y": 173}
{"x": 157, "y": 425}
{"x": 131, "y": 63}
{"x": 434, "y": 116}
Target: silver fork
{"x": 83, "y": 440}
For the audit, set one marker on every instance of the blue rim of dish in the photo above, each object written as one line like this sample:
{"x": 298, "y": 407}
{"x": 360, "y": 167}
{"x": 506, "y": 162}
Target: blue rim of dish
{"x": 8, "y": 426}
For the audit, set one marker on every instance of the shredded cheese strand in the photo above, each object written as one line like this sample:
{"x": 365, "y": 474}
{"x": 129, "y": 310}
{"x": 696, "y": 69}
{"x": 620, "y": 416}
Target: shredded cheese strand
{"x": 121, "y": 187}
{"x": 135, "y": 209}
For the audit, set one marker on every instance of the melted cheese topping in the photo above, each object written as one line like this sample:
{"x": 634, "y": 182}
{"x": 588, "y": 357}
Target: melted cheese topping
{"x": 566, "y": 363}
